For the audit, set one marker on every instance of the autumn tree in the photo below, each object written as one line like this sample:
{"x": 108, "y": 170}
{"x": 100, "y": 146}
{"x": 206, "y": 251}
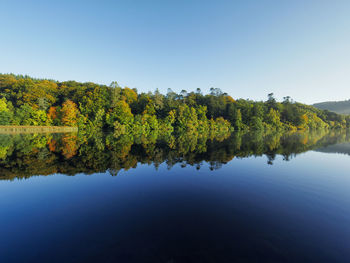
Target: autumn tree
{"x": 69, "y": 113}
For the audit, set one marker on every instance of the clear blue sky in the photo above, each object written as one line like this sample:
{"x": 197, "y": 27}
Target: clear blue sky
{"x": 299, "y": 48}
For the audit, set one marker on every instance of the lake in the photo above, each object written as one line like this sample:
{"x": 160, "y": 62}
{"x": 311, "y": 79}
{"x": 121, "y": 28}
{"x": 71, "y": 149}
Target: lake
{"x": 247, "y": 198}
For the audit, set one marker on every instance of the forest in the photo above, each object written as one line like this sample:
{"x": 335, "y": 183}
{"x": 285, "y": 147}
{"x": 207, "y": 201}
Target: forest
{"x": 92, "y": 107}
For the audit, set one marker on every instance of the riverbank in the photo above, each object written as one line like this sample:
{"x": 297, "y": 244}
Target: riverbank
{"x": 10, "y": 129}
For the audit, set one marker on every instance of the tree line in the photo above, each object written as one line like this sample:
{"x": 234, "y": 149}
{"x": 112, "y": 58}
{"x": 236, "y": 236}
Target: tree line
{"x": 89, "y": 106}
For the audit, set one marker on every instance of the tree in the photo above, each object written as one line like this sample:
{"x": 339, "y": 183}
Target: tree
{"x": 256, "y": 123}
{"x": 6, "y": 115}
{"x": 129, "y": 95}
{"x": 69, "y": 113}
{"x": 273, "y": 118}
{"x": 98, "y": 121}
{"x": 122, "y": 114}
{"x": 271, "y": 101}
{"x": 238, "y": 124}
{"x": 53, "y": 115}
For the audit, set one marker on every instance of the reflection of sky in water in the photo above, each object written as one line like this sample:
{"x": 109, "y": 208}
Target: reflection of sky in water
{"x": 290, "y": 211}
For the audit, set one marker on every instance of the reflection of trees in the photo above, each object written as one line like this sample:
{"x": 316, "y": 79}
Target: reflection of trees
{"x": 22, "y": 156}
{"x": 69, "y": 145}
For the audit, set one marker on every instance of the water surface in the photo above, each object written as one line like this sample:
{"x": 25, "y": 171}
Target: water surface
{"x": 247, "y": 198}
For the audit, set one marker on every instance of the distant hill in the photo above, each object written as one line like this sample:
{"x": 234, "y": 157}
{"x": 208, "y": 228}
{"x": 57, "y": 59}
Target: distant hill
{"x": 341, "y": 107}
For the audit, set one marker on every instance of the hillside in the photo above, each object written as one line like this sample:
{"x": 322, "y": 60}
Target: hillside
{"x": 341, "y": 107}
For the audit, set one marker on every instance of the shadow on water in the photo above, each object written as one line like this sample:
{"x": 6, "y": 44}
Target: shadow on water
{"x": 26, "y": 155}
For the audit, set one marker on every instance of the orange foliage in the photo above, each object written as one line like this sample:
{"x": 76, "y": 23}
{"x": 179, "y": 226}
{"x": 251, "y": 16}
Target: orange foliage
{"x": 52, "y": 145}
{"x": 305, "y": 140}
{"x": 129, "y": 95}
{"x": 304, "y": 118}
{"x": 52, "y": 113}
{"x": 69, "y": 113}
{"x": 230, "y": 99}
{"x": 69, "y": 146}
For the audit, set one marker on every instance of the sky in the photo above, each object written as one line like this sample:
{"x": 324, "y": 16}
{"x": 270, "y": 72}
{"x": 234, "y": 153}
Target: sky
{"x": 247, "y": 48}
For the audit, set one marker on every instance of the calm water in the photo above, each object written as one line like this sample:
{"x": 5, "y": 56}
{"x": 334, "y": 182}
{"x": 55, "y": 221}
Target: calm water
{"x": 247, "y": 198}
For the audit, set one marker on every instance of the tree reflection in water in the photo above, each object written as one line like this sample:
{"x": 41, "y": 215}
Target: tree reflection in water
{"x": 22, "y": 156}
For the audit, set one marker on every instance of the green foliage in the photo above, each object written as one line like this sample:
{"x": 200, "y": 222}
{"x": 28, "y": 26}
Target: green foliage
{"x": 237, "y": 121}
{"x": 272, "y": 119}
{"x": 3, "y": 105}
{"x": 39, "y": 117}
{"x": 93, "y": 107}
{"x": 256, "y": 123}
{"x": 5, "y": 118}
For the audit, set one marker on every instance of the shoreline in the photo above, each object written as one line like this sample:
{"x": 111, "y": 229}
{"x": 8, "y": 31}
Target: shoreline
{"x": 12, "y": 129}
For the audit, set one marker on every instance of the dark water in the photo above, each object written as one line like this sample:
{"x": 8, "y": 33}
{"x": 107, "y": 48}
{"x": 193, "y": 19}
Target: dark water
{"x": 247, "y": 198}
